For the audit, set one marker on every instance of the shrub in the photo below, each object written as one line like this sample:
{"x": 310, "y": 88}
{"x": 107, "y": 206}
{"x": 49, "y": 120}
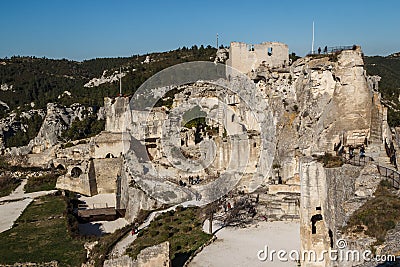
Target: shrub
{"x": 378, "y": 214}
{"x": 8, "y": 184}
{"x": 42, "y": 183}
{"x": 330, "y": 161}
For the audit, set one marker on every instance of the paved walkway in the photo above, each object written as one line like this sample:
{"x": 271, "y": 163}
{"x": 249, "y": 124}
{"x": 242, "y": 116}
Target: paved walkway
{"x": 12, "y": 206}
{"x": 239, "y": 246}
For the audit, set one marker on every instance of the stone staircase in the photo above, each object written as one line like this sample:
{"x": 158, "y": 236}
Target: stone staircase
{"x": 376, "y": 126}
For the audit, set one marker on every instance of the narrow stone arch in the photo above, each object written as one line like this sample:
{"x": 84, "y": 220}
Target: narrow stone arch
{"x": 110, "y": 156}
{"x": 76, "y": 172}
{"x": 60, "y": 167}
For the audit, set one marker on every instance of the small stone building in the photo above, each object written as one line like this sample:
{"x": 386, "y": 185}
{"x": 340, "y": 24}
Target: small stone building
{"x": 248, "y": 57}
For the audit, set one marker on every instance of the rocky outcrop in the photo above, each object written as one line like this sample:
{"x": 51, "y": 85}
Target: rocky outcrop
{"x": 105, "y": 79}
{"x": 12, "y": 124}
{"x": 6, "y": 87}
{"x": 56, "y": 120}
{"x": 222, "y": 55}
{"x": 157, "y": 255}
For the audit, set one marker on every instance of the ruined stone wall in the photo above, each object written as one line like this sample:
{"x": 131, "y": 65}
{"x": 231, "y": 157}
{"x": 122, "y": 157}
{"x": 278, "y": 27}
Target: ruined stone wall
{"x": 147, "y": 123}
{"x": 97, "y": 176}
{"x": 107, "y": 144}
{"x": 106, "y": 172}
{"x": 312, "y": 199}
{"x": 117, "y": 114}
{"x": 83, "y": 183}
{"x": 138, "y": 200}
{"x": 154, "y": 256}
{"x": 334, "y": 194}
{"x": 246, "y": 57}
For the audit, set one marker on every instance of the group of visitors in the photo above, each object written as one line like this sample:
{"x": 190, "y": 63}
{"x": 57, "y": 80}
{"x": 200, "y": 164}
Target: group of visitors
{"x": 341, "y": 150}
{"x": 325, "y": 50}
{"x": 351, "y": 152}
{"x": 193, "y": 180}
{"x": 227, "y": 206}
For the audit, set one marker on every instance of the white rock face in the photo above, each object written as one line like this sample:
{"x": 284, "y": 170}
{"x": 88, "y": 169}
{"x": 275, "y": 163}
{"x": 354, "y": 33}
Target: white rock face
{"x": 4, "y": 104}
{"x": 6, "y": 87}
{"x": 56, "y": 120}
{"x": 105, "y": 79}
{"x": 65, "y": 93}
{"x": 147, "y": 60}
{"x": 11, "y": 124}
{"x": 222, "y": 55}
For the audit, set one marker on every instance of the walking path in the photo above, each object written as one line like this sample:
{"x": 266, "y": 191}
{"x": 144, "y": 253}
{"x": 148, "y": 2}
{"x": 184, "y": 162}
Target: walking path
{"x": 389, "y": 174}
{"x": 120, "y": 248}
{"x": 12, "y": 206}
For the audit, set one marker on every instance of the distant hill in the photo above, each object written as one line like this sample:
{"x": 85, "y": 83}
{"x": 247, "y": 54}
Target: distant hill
{"x": 27, "y": 80}
{"x": 389, "y": 69}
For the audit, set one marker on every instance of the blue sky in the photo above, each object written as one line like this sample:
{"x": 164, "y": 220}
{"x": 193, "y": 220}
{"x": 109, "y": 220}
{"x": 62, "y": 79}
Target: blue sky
{"x": 87, "y": 29}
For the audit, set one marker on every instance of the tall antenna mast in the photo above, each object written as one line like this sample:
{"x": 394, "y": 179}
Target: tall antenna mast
{"x": 312, "y": 44}
{"x": 120, "y": 82}
{"x": 217, "y": 40}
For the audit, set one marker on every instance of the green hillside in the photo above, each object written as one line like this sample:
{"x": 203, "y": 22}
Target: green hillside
{"x": 42, "y": 80}
{"x": 389, "y": 86}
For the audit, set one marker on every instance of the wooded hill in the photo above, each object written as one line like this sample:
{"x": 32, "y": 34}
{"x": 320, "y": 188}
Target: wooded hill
{"x": 42, "y": 80}
{"x": 388, "y": 68}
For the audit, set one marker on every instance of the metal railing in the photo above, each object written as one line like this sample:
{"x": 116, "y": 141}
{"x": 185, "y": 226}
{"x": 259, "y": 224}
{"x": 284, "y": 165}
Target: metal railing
{"x": 357, "y": 160}
{"x": 388, "y": 174}
{"x": 331, "y": 50}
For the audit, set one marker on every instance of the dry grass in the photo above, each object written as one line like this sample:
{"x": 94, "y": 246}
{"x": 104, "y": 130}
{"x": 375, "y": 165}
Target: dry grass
{"x": 330, "y": 161}
{"x": 379, "y": 214}
{"x": 41, "y": 235}
{"x": 182, "y": 228}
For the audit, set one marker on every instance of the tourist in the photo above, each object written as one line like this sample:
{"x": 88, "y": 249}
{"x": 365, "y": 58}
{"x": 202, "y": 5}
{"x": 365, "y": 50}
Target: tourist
{"x": 362, "y": 152}
{"x": 351, "y": 152}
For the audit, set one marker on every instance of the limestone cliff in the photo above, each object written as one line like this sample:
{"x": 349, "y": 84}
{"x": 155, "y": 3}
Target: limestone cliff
{"x": 56, "y": 119}
{"x": 318, "y": 102}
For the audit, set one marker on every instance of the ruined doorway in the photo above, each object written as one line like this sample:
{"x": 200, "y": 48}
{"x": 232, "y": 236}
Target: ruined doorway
{"x": 314, "y": 219}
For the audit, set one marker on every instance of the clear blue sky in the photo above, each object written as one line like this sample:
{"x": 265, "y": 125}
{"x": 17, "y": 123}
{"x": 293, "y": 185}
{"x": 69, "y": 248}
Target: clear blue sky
{"x": 87, "y": 29}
